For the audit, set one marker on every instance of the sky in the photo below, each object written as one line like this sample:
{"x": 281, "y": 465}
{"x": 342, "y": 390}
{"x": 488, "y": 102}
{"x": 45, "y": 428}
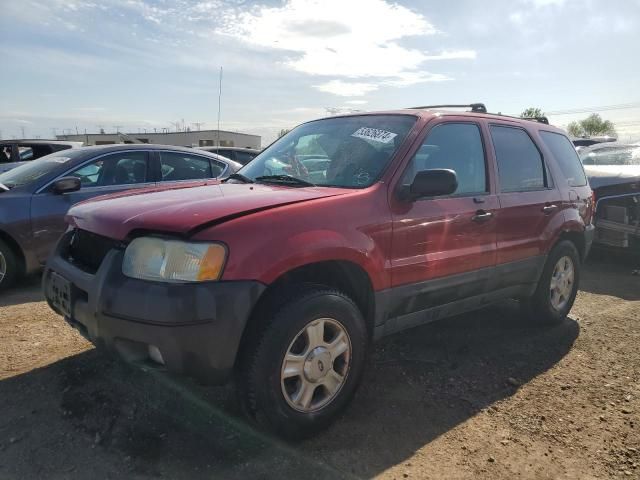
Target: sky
{"x": 143, "y": 64}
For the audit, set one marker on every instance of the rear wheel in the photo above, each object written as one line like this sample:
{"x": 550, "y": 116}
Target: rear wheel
{"x": 9, "y": 266}
{"x": 557, "y": 287}
{"x": 302, "y": 367}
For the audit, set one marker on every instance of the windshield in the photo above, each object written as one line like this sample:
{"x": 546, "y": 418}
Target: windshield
{"x": 35, "y": 169}
{"x": 614, "y": 155}
{"x": 341, "y": 152}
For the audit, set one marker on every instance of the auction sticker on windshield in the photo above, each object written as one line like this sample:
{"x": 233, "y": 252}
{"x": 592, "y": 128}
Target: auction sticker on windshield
{"x": 374, "y": 134}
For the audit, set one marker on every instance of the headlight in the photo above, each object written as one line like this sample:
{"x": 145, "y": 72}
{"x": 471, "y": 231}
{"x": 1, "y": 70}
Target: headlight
{"x": 163, "y": 260}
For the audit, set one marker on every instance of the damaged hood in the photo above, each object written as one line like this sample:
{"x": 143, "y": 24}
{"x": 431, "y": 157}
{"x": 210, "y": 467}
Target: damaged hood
{"x": 187, "y": 209}
{"x": 609, "y": 175}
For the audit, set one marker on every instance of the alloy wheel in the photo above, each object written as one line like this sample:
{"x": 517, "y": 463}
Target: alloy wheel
{"x": 316, "y": 365}
{"x": 562, "y": 280}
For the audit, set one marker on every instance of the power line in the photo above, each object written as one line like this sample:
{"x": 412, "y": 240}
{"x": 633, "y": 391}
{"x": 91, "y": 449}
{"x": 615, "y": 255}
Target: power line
{"x": 604, "y": 108}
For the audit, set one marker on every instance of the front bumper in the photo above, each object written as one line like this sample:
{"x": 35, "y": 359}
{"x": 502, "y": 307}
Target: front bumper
{"x": 196, "y": 327}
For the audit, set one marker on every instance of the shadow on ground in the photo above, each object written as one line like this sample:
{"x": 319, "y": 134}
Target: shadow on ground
{"x": 26, "y": 290}
{"x": 603, "y": 272}
{"x": 91, "y": 416}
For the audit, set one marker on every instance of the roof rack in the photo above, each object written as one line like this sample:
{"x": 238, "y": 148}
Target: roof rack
{"x": 475, "y": 107}
{"x": 542, "y": 119}
{"x": 481, "y": 108}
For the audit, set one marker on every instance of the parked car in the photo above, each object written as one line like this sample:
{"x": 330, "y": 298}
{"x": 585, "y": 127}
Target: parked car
{"x": 420, "y": 215}
{"x": 589, "y": 141}
{"x": 614, "y": 174}
{"x": 34, "y": 197}
{"x": 237, "y": 154}
{"x": 12, "y": 152}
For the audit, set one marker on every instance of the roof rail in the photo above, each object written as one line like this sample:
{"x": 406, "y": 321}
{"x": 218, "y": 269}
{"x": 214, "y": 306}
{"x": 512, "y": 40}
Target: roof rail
{"x": 481, "y": 108}
{"x": 542, "y": 119}
{"x": 475, "y": 107}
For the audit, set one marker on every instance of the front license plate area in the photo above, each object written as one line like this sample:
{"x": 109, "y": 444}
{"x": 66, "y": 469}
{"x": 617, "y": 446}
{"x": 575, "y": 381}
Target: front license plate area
{"x": 59, "y": 293}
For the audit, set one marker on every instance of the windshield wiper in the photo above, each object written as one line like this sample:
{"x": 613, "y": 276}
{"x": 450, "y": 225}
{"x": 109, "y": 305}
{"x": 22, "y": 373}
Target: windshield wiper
{"x": 287, "y": 179}
{"x": 4, "y": 188}
{"x": 239, "y": 176}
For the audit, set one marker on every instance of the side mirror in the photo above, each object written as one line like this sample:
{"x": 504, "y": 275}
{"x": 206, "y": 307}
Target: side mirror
{"x": 66, "y": 185}
{"x": 433, "y": 183}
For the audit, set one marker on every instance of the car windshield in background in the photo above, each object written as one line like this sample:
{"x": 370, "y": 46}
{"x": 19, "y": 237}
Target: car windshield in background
{"x": 36, "y": 169}
{"x": 350, "y": 152}
{"x": 611, "y": 155}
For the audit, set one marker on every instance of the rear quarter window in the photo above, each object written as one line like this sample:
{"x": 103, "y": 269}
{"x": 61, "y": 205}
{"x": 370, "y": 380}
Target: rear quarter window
{"x": 566, "y": 157}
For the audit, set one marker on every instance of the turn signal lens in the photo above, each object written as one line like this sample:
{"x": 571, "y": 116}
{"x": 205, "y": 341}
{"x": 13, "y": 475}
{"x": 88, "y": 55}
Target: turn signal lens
{"x": 212, "y": 263}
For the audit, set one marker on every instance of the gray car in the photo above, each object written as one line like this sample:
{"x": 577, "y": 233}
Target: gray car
{"x": 35, "y": 196}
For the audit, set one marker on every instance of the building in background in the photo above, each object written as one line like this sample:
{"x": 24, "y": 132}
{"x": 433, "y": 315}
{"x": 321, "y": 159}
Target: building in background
{"x": 193, "y": 138}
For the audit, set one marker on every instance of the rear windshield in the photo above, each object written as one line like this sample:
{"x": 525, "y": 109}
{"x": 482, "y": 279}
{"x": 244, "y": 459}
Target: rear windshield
{"x": 347, "y": 152}
{"x": 566, "y": 156}
{"x": 32, "y": 171}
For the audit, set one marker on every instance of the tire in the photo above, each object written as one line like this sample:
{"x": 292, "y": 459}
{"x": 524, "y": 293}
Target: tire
{"x": 275, "y": 392}
{"x": 547, "y": 307}
{"x": 9, "y": 266}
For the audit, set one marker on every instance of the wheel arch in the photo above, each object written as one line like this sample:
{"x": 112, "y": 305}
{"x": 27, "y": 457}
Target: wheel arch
{"x": 575, "y": 237}
{"x": 343, "y": 275}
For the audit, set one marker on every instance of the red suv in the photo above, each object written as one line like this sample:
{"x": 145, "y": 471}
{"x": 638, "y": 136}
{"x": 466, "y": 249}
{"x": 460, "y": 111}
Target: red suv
{"x": 343, "y": 231}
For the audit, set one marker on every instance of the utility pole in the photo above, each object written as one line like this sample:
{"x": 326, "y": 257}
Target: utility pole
{"x": 117, "y": 128}
{"x": 176, "y": 125}
{"x": 54, "y": 131}
{"x": 22, "y": 130}
{"x": 197, "y": 125}
{"x": 77, "y": 133}
{"x": 219, "y": 105}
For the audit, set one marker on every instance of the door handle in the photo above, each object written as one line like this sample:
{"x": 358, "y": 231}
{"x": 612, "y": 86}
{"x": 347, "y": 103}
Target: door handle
{"x": 548, "y": 209}
{"x": 482, "y": 216}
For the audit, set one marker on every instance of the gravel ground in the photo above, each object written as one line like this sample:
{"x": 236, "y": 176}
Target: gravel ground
{"x": 477, "y": 396}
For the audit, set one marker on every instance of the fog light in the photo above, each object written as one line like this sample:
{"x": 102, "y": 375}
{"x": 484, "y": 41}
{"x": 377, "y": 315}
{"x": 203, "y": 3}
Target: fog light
{"x": 155, "y": 355}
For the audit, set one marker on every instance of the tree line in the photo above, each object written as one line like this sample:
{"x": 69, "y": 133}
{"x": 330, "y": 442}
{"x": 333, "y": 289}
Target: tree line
{"x": 592, "y": 126}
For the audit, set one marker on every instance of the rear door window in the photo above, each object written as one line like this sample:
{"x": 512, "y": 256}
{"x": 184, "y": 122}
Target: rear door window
{"x": 520, "y": 166}
{"x": 184, "y": 166}
{"x": 566, "y": 156}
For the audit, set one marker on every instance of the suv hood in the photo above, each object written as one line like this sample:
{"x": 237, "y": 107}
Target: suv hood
{"x": 185, "y": 210}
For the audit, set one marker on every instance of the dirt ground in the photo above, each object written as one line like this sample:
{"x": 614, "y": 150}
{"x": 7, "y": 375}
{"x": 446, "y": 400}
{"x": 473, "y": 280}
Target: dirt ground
{"x": 478, "y": 396}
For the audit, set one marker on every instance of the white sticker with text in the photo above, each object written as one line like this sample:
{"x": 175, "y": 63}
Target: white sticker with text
{"x": 374, "y": 134}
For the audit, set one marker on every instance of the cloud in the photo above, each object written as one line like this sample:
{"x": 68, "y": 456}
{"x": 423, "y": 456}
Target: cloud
{"x": 356, "y": 102}
{"x": 547, "y": 3}
{"x": 354, "y": 40}
{"x": 453, "y": 55}
{"x": 347, "y": 89}
{"x": 405, "y": 79}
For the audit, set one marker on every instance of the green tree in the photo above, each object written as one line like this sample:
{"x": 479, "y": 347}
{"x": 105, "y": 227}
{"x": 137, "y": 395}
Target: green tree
{"x": 592, "y": 126}
{"x": 595, "y": 125}
{"x": 283, "y": 132}
{"x": 575, "y": 130}
{"x": 532, "y": 112}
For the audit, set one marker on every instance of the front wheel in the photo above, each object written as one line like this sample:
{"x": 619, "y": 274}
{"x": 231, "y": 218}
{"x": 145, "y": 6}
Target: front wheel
{"x": 302, "y": 367}
{"x": 9, "y": 266}
{"x": 557, "y": 287}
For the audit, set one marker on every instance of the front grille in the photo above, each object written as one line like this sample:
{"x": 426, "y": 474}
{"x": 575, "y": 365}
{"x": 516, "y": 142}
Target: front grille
{"x": 87, "y": 250}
